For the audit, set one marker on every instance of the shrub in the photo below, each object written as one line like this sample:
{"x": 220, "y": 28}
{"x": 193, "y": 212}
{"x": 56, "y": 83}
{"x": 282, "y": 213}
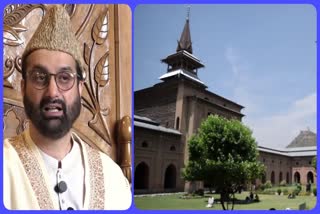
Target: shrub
{"x": 268, "y": 184}
{"x": 296, "y": 191}
{"x": 199, "y": 192}
{"x": 305, "y": 193}
{"x": 283, "y": 183}
{"x": 279, "y": 191}
{"x": 315, "y": 191}
{"x": 262, "y": 187}
{"x": 298, "y": 186}
{"x": 269, "y": 192}
{"x": 285, "y": 191}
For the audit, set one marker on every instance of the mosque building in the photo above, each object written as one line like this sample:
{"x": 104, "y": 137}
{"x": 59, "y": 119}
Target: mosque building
{"x": 168, "y": 113}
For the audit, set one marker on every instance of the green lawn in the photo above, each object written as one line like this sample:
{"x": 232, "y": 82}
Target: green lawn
{"x": 174, "y": 202}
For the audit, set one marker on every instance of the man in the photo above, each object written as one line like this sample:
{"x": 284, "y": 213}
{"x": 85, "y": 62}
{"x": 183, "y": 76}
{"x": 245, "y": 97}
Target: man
{"x": 48, "y": 166}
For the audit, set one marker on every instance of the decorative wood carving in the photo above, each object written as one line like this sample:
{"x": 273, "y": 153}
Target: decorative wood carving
{"x": 106, "y": 96}
{"x": 125, "y": 146}
{"x": 13, "y": 14}
{"x": 19, "y": 114}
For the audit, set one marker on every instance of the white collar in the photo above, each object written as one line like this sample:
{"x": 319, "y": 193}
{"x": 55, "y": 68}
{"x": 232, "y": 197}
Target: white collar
{"x": 67, "y": 162}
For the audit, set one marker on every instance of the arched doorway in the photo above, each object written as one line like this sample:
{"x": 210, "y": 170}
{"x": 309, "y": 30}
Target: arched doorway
{"x": 280, "y": 177}
{"x": 272, "y": 177}
{"x": 287, "y": 178}
{"x": 310, "y": 177}
{"x": 141, "y": 176}
{"x": 264, "y": 178}
{"x": 170, "y": 177}
{"x": 296, "y": 177}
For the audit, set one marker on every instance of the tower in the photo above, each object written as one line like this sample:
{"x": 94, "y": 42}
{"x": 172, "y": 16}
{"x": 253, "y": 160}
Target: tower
{"x": 183, "y": 64}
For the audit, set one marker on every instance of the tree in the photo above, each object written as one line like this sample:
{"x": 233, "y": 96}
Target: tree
{"x": 314, "y": 162}
{"x": 224, "y": 155}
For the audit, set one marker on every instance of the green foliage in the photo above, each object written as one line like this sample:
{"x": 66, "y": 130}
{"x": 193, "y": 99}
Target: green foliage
{"x": 279, "y": 191}
{"x": 223, "y": 154}
{"x": 314, "y": 162}
{"x": 262, "y": 187}
{"x": 268, "y": 192}
{"x": 304, "y": 193}
{"x": 314, "y": 191}
{"x": 285, "y": 191}
{"x": 298, "y": 186}
{"x": 283, "y": 183}
{"x": 268, "y": 184}
{"x": 199, "y": 192}
{"x": 296, "y": 191}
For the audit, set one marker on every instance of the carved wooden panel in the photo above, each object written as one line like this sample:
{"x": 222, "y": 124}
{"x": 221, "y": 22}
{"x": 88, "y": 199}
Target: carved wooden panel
{"x": 104, "y": 32}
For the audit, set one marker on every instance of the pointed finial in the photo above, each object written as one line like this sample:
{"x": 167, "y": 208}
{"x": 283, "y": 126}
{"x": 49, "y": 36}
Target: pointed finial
{"x": 188, "y": 13}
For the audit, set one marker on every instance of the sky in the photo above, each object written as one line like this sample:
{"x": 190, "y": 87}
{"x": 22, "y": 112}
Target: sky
{"x": 262, "y": 57}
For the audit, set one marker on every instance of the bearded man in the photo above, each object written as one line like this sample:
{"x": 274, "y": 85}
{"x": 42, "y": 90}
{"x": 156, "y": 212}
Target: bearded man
{"x": 48, "y": 166}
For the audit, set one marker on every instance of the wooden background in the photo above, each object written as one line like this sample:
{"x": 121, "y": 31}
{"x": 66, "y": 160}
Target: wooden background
{"x": 104, "y": 31}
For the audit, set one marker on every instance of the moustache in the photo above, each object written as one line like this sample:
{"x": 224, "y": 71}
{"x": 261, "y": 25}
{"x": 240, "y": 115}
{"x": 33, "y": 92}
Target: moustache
{"x": 47, "y": 101}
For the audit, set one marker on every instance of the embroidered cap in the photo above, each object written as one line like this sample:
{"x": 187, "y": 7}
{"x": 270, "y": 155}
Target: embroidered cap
{"x": 55, "y": 33}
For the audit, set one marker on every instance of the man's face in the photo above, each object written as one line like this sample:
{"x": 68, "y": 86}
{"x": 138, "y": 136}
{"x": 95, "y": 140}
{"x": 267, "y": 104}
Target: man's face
{"x": 51, "y": 104}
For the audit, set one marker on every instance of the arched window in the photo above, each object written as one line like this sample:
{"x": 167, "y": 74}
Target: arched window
{"x": 177, "y": 123}
{"x": 144, "y": 144}
{"x": 172, "y": 148}
{"x": 287, "y": 179}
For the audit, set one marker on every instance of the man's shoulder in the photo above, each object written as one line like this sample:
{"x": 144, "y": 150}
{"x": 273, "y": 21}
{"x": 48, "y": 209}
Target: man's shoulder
{"x": 10, "y": 147}
{"x": 106, "y": 159}
{"x": 14, "y": 139}
{"x": 11, "y": 142}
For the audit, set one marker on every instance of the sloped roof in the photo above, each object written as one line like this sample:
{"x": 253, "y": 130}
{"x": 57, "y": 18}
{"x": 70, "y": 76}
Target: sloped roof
{"x": 185, "y": 40}
{"x": 291, "y": 152}
{"x": 304, "y": 139}
{"x": 147, "y": 123}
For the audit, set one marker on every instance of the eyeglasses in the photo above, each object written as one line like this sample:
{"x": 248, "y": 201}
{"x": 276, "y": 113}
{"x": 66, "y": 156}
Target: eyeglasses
{"x": 40, "y": 79}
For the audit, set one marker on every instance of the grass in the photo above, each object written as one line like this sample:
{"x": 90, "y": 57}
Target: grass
{"x": 174, "y": 202}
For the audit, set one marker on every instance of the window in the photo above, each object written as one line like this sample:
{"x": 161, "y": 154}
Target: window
{"x": 172, "y": 148}
{"x": 177, "y": 123}
{"x": 144, "y": 144}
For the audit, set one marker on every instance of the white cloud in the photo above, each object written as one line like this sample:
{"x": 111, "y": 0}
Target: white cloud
{"x": 233, "y": 59}
{"x": 280, "y": 129}
{"x": 270, "y": 128}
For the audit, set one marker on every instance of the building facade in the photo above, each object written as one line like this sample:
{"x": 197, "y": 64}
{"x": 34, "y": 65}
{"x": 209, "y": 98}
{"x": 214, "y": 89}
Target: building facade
{"x": 293, "y": 163}
{"x": 170, "y": 112}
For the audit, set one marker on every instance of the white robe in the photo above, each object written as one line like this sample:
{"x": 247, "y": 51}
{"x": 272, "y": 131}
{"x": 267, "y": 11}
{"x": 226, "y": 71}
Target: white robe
{"x": 26, "y": 183}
